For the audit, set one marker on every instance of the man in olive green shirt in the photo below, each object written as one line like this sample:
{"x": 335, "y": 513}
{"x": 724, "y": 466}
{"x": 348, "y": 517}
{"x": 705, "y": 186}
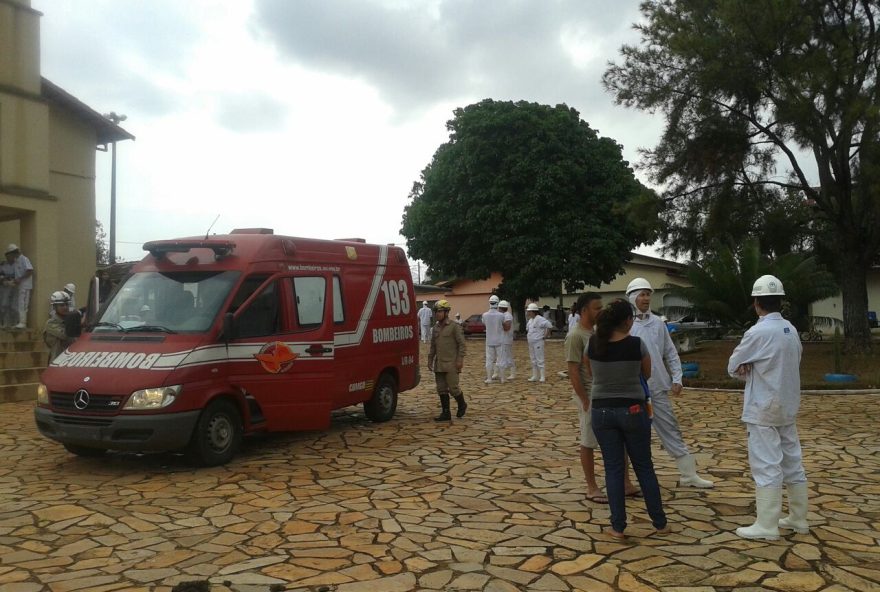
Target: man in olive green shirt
{"x": 446, "y": 359}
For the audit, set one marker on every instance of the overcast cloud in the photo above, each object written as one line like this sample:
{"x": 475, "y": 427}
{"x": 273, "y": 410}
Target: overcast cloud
{"x": 313, "y": 117}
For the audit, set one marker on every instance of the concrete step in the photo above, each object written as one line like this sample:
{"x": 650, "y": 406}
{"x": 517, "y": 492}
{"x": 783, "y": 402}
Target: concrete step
{"x": 7, "y": 335}
{"x": 23, "y": 359}
{"x": 20, "y": 346}
{"x": 18, "y": 392}
{"x": 11, "y": 376}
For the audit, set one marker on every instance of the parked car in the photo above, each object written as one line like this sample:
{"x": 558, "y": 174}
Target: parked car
{"x": 473, "y": 325}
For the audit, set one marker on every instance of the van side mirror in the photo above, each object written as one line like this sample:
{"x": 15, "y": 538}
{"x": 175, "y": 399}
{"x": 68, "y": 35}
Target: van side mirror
{"x": 228, "y": 327}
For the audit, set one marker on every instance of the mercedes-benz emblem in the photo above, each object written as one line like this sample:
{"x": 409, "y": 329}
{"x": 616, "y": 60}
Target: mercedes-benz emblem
{"x": 81, "y": 399}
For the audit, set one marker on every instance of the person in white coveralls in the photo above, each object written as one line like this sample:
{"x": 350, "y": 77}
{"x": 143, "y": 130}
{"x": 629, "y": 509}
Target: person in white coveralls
{"x": 507, "y": 364}
{"x": 768, "y": 358}
{"x": 665, "y": 380}
{"x": 425, "y": 316}
{"x": 537, "y": 330}
{"x": 494, "y": 321}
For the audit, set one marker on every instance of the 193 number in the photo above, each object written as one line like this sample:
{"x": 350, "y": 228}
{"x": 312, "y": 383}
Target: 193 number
{"x": 396, "y": 297}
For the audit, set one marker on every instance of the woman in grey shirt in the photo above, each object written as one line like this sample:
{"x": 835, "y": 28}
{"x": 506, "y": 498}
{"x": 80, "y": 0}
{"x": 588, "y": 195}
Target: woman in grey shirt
{"x": 620, "y": 417}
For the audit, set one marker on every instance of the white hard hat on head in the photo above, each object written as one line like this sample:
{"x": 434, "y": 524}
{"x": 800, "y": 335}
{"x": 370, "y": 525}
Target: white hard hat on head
{"x": 638, "y": 284}
{"x": 493, "y": 301}
{"x": 533, "y": 307}
{"x": 768, "y": 285}
{"x": 70, "y": 288}
{"x": 59, "y": 297}
{"x": 504, "y": 304}
{"x": 11, "y": 248}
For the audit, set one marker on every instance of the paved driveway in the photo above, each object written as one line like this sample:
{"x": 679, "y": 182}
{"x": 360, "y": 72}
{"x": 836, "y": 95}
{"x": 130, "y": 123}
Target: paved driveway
{"x": 492, "y": 502}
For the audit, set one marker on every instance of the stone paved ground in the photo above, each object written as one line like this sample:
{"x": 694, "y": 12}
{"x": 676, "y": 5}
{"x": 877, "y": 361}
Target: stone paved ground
{"x": 492, "y": 502}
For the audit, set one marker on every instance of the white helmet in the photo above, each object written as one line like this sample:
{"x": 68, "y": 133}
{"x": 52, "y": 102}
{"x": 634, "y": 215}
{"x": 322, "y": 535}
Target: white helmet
{"x": 59, "y": 297}
{"x": 638, "y": 284}
{"x": 768, "y": 285}
{"x": 504, "y": 304}
{"x": 493, "y": 301}
{"x": 533, "y": 307}
{"x": 70, "y": 288}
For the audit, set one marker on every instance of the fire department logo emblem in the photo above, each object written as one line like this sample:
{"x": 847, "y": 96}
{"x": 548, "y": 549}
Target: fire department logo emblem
{"x": 276, "y": 357}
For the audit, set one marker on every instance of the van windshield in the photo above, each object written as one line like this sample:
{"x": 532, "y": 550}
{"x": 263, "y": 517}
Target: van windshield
{"x": 184, "y": 301}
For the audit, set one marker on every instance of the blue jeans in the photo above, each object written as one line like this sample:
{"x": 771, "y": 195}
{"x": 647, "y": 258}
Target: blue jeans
{"x": 619, "y": 430}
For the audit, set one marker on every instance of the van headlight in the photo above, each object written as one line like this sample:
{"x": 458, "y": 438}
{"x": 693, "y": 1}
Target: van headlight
{"x": 152, "y": 398}
{"x": 42, "y": 394}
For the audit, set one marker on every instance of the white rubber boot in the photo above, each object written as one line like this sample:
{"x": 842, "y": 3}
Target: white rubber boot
{"x": 488, "y": 376}
{"x": 543, "y": 377}
{"x": 797, "y": 509}
{"x": 534, "y": 375}
{"x": 687, "y": 466}
{"x": 768, "y": 501}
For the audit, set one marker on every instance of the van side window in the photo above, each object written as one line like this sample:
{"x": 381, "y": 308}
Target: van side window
{"x": 338, "y": 309}
{"x": 309, "y": 293}
{"x": 261, "y": 317}
{"x": 248, "y": 287}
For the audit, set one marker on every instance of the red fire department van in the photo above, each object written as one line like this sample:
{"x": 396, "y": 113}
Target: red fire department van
{"x": 208, "y": 340}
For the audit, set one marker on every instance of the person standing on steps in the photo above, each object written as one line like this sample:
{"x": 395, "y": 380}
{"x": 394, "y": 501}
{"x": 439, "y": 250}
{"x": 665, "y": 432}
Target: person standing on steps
{"x": 507, "y": 364}
{"x": 665, "y": 380}
{"x": 446, "y": 359}
{"x": 537, "y": 330}
{"x": 768, "y": 358}
{"x": 494, "y": 321}
{"x": 425, "y": 315}
{"x": 589, "y": 305}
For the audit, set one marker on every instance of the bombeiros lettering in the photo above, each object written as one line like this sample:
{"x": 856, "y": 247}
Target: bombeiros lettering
{"x": 104, "y": 359}
{"x": 386, "y": 334}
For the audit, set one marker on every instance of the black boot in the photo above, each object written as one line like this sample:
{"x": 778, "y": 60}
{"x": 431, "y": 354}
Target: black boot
{"x": 444, "y": 404}
{"x": 462, "y": 406}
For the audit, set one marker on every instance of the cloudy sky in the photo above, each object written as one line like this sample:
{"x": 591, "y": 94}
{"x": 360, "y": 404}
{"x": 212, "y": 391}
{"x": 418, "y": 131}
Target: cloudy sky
{"x": 314, "y": 117}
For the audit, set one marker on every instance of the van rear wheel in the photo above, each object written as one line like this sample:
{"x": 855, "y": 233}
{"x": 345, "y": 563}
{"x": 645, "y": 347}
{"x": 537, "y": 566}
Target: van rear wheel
{"x": 383, "y": 403}
{"x": 217, "y": 435}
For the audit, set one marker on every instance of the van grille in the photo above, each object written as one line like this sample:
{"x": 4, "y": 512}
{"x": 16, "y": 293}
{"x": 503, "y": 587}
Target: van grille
{"x": 82, "y": 420}
{"x": 97, "y": 403}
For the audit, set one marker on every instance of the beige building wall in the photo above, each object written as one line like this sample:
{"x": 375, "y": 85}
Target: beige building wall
{"x": 833, "y": 307}
{"x": 47, "y": 165}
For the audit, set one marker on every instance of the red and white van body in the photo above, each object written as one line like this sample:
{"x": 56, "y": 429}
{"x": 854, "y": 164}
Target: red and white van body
{"x": 274, "y": 331}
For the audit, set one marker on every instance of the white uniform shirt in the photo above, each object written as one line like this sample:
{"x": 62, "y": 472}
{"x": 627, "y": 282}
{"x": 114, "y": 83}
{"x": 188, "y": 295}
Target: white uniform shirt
{"x": 665, "y": 363}
{"x": 573, "y": 320}
{"x": 425, "y": 315}
{"x": 21, "y": 266}
{"x": 536, "y": 328}
{"x": 773, "y": 386}
{"x": 507, "y": 336}
{"x": 493, "y": 319}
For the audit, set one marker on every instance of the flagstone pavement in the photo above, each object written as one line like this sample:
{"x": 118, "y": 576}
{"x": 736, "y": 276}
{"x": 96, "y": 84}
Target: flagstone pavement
{"x": 493, "y": 502}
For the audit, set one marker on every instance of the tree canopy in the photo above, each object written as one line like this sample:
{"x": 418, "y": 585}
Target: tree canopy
{"x": 766, "y": 101}
{"x": 529, "y": 191}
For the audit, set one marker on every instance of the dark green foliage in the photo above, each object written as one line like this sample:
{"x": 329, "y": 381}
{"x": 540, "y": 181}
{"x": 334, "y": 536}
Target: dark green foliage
{"x": 529, "y": 191}
{"x": 722, "y": 284}
{"x": 771, "y": 109}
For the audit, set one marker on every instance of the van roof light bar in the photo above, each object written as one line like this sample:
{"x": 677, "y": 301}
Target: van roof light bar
{"x": 159, "y": 249}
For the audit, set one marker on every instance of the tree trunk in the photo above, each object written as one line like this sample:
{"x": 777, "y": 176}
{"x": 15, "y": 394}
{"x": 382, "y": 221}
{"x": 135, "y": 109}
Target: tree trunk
{"x": 853, "y": 285}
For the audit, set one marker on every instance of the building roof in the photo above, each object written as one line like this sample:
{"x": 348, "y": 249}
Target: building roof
{"x": 106, "y": 131}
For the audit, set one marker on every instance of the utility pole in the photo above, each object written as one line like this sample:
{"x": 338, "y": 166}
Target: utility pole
{"x": 116, "y": 119}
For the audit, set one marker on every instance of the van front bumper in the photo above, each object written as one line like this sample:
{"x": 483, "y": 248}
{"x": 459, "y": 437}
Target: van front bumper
{"x": 140, "y": 433}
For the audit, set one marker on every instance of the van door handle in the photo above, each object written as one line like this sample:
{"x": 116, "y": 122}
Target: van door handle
{"x": 316, "y": 349}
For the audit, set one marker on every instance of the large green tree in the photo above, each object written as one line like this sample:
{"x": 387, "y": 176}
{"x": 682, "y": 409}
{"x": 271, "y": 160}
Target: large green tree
{"x": 529, "y": 191}
{"x": 764, "y": 94}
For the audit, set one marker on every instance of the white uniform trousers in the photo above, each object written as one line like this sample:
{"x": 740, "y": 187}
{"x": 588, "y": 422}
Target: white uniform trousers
{"x": 775, "y": 455}
{"x": 665, "y": 424}
{"x": 24, "y": 300}
{"x": 494, "y": 354}
{"x": 536, "y": 353}
{"x": 426, "y": 332}
{"x": 506, "y": 359}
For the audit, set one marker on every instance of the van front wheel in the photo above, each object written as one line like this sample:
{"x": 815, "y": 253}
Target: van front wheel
{"x": 217, "y": 435}
{"x": 383, "y": 403}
